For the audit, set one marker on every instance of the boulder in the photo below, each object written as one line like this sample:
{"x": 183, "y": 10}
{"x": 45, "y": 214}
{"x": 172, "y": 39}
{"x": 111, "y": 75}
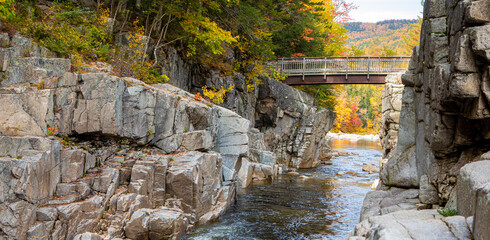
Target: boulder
{"x": 232, "y": 141}
{"x": 408, "y": 121}
{"x": 370, "y": 168}
{"x": 457, "y": 225}
{"x": 465, "y": 86}
{"x": 195, "y": 178}
{"x": 245, "y": 175}
{"x": 384, "y": 202}
{"x": 478, "y": 12}
{"x": 427, "y": 192}
{"x": 38, "y": 231}
{"x": 472, "y": 177}
{"x": 88, "y": 236}
{"x": 481, "y": 219}
{"x": 434, "y": 8}
{"x": 34, "y": 172}
{"x": 281, "y": 111}
{"x": 412, "y": 224}
{"x": 166, "y": 224}
{"x": 137, "y": 227}
{"x": 72, "y": 165}
{"x": 463, "y": 58}
{"x": 26, "y": 114}
{"x": 480, "y": 39}
{"x": 401, "y": 170}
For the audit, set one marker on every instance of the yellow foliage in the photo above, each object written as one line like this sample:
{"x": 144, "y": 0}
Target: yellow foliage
{"x": 216, "y": 96}
{"x": 7, "y": 9}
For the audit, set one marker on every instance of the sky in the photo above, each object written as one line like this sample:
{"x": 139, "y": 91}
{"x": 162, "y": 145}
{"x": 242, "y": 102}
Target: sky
{"x": 379, "y": 10}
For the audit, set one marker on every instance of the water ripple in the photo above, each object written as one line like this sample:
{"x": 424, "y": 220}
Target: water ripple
{"x": 322, "y": 206}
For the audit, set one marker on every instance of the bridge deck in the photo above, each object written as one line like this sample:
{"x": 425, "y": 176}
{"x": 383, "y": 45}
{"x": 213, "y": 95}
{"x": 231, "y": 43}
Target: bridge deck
{"x": 340, "y": 70}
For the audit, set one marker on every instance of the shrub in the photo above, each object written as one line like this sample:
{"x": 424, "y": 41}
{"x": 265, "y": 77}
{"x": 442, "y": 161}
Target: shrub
{"x": 448, "y": 212}
{"x": 7, "y": 9}
{"x": 217, "y": 96}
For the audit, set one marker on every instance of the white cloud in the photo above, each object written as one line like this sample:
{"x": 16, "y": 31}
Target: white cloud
{"x": 379, "y": 10}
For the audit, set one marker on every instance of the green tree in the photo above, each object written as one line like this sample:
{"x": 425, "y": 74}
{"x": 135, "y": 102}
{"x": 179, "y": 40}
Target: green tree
{"x": 7, "y": 9}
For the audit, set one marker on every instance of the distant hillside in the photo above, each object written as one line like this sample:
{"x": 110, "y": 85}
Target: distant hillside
{"x": 376, "y": 38}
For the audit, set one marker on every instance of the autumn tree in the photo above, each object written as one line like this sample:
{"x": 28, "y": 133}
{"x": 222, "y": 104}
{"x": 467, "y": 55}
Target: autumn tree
{"x": 412, "y": 38}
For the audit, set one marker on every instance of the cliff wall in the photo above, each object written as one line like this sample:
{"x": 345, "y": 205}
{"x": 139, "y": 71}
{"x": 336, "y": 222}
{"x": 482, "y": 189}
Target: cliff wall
{"x": 441, "y": 157}
{"x": 391, "y": 107}
{"x": 292, "y": 124}
{"x": 93, "y": 156}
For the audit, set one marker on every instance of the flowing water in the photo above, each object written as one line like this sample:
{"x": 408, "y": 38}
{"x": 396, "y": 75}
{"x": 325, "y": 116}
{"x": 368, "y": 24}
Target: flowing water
{"x": 314, "y": 205}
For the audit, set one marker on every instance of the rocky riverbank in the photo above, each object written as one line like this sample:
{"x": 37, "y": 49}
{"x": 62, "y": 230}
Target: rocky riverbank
{"x": 352, "y": 137}
{"x": 441, "y": 157}
{"x": 95, "y": 156}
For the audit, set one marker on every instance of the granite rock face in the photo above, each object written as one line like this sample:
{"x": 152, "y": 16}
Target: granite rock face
{"x": 412, "y": 224}
{"x": 445, "y": 110}
{"x": 95, "y": 156}
{"x": 443, "y": 132}
{"x": 292, "y": 124}
{"x": 392, "y": 104}
{"x": 293, "y": 129}
{"x": 123, "y": 148}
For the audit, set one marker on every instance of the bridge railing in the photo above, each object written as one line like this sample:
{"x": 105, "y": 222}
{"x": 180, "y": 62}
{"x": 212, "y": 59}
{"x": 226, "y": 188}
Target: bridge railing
{"x": 342, "y": 65}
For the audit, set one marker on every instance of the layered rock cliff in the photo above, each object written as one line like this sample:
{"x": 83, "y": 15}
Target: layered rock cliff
{"x": 292, "y": 124}
{"x": 391, "y": 107}
{"x": 92, "y": 156}
{"x": 443, "y": 136}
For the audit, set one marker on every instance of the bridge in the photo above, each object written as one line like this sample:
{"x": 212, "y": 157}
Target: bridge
{"x": 340, "y": 70}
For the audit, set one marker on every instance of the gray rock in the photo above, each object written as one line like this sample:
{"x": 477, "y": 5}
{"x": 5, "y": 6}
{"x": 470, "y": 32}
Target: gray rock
{"x": 26, "y": 114}
{"x": 72, "y": 165}
{"x": 137, "y": 226}
{"x": 38, "y": 231}
{"x": 166, "y": 224}
{"x": 478, "y": 12}
{"x": 197, "y": 141}
{"x": 35, "y": 69}
{"x": 264, "y": 157}
{"x": 472, "y": 177}
{"x": 125, "y": 201}
{"x": 225, "y": 198}
{"x": 408, "y": 121}
{"x": 401, "y": 169}
{"x": 438, "y": 25}
{"x": 463, "y": 57}
{"x": 245, "y": 174}
{"x": 465, "y": 86}
{"x": 391, "y": 106}
{"x": 37, "y": 168}
{"x": 457, "y": 225}
{"x": 428, "y": 193}
{"x": 88, "y": 236}
{"x": 232, "y": 141}
{"x": 411, "y": 224}
{"x": 480, "y": 39}
{"x": 385, "y": 202}
{"x": 195, "y": 178}
{"x": 370, "y": 168}
{"x": 47, "y": 214}
{"x": 408, "y": 80}
{"x": 482, "y": 213}
{"x": 434, "y": 8}
{"x": 282, "y": 110}
{"x": 263, "y": 172}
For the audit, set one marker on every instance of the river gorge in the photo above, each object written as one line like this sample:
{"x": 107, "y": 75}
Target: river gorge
{"x": 89, "y": 155}
{"x": 316, "y": 204}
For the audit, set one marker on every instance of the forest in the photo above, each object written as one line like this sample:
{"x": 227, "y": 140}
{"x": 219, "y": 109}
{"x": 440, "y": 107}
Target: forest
{"x": 358, "y": 107}
{"x": 227, "y": 35}
{"x": 385, "y": 38}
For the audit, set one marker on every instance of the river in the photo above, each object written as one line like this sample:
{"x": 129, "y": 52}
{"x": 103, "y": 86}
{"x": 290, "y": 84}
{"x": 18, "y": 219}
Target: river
{"x": 316, "y": 204}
